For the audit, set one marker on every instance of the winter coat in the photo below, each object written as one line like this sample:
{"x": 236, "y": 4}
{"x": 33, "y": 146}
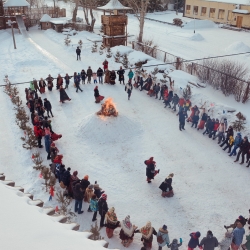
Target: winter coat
{"x": 204, "y": 117}
{"x": 209, "y": 242}
{"x": 182, "y": 117}
{"x": 66, "y": 178}
{"x": 47, "y": 105}
{"x": 105, "y": 64}
{"x": 98, "y": 191}
{"x": 230, "y": 132}
{"x": 247, "y": 244}
{"x": 175, "y": 245}
{"x": 78, "y": 51}
{"x": 128, "y": 88}
{"x": 88, "y": 194}
{"x": 175, "y": 99}
{"x": 194, "y": 241}
{"x": 181, "y": 101}
{"x": 47, "y": 143}
{"x": 221, "y": 128}
{"x": 166, "y": 185}
{"x": 164, "y": 234}
{"x": 84, "y": 184}
{"x": 63, "y": 95}
{"x": 238, "y": 234}
{"x": 102, "y": 206}
{"x": 32, "y": 86}
{"x": 94, "y": 205}
{"x": 231, "y": 140}
{"x": 100, "y": 72}
{"x": 35, "y": 84}
{"x": 96, "y": 93}
{"x": 77, "y": 80}
{"x": 61, "y": 172}
{"x": 244, "y": 146}
{"x": 157, "y": 88}
{"x": 150, "y": 171}
{"x": 237, "y": 140}
{"x": 89, "y": 72}
{"x": 38, "y": 131}
{"x": 78, "y": 194}
{"x": 130, "y": 74}
{"x": 225, "y": 243}
{"x": 121, "y": 73}
{"x": 216, "y": 126}
{"x": 67, "y": 79}
{"x": 195, "y": 119}
{"x": 42, "y": 84}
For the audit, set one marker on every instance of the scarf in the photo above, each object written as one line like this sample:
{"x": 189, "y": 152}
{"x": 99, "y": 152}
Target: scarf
{"x": 147, "y": 231}
{"x": 127, "y": 227}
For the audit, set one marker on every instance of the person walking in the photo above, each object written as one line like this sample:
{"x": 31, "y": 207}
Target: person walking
{"x": 83, "y": 76}
{"x": 78, "y": 195}
{"x": 78, "y": 54}
{"x": 42, "y": 86}
{"x": 130, "y": 75}
{"x": 194, "y": 241}
{"x": 209, "y": 242}
{"x": 48, "y": 107}
{"x": 59, "y": 82}
{"x": 121, "y": 73}
{"x": 175, "y": 245}
{"x": 50, "y": 79}
{"x": 225, "y": 243}
{"x": 182, "y": 115}
{"x": 103, "y": 208}
{"x": 89, "y": 74}
{"x": 111, "y": 222}
{"x": 67, "y": 80}
{"x": 175, "y": 101}
{"x": 244, "y": 148}
{"x": 100, "y": 75}
{"x": 150, "y": 169}
{"x": 147, "y": 233}
{"x": 77, "y": 82}
{"x": 63, "y": 95}
{"x": 128, "y": 89}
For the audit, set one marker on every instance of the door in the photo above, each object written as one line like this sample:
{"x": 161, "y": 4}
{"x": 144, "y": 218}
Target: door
{"x": 239, "y": 21}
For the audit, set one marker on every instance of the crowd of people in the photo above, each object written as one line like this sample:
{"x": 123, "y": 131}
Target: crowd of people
{"x": 82, "y": 190}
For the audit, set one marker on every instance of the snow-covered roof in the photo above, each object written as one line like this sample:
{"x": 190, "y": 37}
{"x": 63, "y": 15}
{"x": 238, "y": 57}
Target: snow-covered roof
{"x": 45, "y": 18}
{"x": 240, "y": 11}
{"x": 245, "y": 2}
{"x": 60, "y": 20}
{"x": 16, "y": 3}
{"x": 113, "y": 5}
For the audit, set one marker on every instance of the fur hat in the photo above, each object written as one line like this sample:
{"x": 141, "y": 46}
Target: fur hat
{"x": 86, "y": 177}
{"x": 90, "y": 186}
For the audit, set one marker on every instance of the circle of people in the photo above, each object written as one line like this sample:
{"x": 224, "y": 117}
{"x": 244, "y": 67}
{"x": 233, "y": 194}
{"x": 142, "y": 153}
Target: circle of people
{"x": 83, "y": 190}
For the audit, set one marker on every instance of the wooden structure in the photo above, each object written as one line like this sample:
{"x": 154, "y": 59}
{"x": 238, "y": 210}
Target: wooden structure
{"x": 2, "y": 19}
{"x": 232, "y": 12}
{"x": 57, "y": 24}
{"x": 114, "y": 25}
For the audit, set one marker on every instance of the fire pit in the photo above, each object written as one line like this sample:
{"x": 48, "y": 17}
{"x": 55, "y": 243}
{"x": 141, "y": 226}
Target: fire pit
{"x": 108, "y": 108}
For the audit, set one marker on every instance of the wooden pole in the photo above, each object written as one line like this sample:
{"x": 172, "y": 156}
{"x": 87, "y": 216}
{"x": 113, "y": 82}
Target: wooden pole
{"x": 14, "y": 41}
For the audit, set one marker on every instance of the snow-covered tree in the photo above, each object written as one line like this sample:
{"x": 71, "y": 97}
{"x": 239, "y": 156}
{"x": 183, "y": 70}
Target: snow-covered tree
{"x": 117, "y": 57}
{"x": 125, "y": 61}
{"x": 94, "y": 47}
{"x": 67, "y": 40}
{"x": 109, "y": 53}
{"x": 101, "y": 49}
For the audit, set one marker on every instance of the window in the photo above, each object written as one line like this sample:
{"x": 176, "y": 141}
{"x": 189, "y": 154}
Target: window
{"x": 196, "y": 10}
{"x": 188, "y": 8}
{"x": 203, "y": 11}
{"x": 230, "y": 16}
{"x": 47, "y": 24}
{"x": 221, "y": 14}
{"x": 212, "y": 12}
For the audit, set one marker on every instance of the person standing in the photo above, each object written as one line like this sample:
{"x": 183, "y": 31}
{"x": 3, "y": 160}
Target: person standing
{"x": 77, "y": 82}
{"x": 103, "y": 208}
{"x": 209, "y": 242}
{"x": 203, "y": 120}
{"x": 59, "y": 82}
{"x": 194, "y": 241}
{"x": 130, "y": 75}
{"x": 112, "y": 77}
{"x": 47, "y": 140}
{"x": 48, "y": 107}
{"x": 162, "y": 237}
{"x": 225, "y": 243}
{"x": 229, "y": 132}
{"x": 67, "y": 80}
{"x": 78, "y": 53}
{"x": 50, "y": 79}
{"x": 237, "y": 142}
{"x": 195, "y": 119}
{"x": 107, "y": 76}
{"x": 42, "y": 86}
{"x": 175, "y": 245}
{"x": 147, "y": 233}
{"x": 94, "y": 206}
{"x": 157, "y": 90}
{"x": 89, "y": 74}
{"x": 141, "y": 83}
{"x": 35, "y": 85}
{"x": 83, "y": 76}
{"x": 129, "y": 89}
{"x": 78, "y": 195}
{"x": 150, "y": 169}
{"x": 121, "y": 73}
{"x": 63, "y": 95}
{"x": 182, "y": 115}
{"x": 221, "y": 131}
{"x": 166, "y": 187}
{"x": 111, "y": 222}
{"x": 100, "y": 75}
{"x": 244, "y": 148}
{"x": 238, "y": 234}
{"x": 38, "y": 131}
{"x": 105, "y": 65}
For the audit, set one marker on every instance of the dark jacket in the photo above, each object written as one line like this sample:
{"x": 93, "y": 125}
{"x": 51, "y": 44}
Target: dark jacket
{"x": 209, "y": 124}
{"x": 96, "y": 93}
{"x": 182, "y": 116}
{"x": 244, "y": 146}
{"x": 89, "y": 72}
{"x": 194, "y": 241}
{"x": 47, "y": 105}
{"x": 84, "y": 184}
{"x": 78, "y": 51}
{"x": 230, "y": 132}
{"x": 150, "y": 171}
{"x": 175, "y": 99}
{"x": 195, "y": 118}
{"x": 99, "y": 72}
{"x": 157, "y": 88}
{"x": 61, "y": 172}
{"x": 67, "y": 78}
{"x": 66, "y": 178}
{"x": 78, "y": 194}
{"x": 103, "y": 206}
{"x": 204, "y": 117}
{"x": 83, "y": 75}
{"x": 209, "y": 242}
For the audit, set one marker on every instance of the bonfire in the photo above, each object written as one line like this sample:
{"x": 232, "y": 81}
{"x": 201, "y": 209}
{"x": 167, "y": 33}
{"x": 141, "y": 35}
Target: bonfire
{"x": 108, "y": 108}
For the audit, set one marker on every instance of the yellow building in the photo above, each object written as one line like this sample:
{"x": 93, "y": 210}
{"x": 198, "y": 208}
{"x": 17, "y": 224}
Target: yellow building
{"x": 232, "y": 12}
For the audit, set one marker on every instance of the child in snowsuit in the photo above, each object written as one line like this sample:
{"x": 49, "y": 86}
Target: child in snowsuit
{"x": 175, "y": 245}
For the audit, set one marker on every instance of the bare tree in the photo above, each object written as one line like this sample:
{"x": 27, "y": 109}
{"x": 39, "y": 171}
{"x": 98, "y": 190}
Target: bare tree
{"x": 88, "y": 6}
{"x": 140, "y": 8}
{"x": 75, "y": 11}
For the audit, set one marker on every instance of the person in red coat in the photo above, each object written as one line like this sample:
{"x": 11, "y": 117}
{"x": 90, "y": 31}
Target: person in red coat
{"x": 105, "y": 64}
{"x": 58, "y": 159}
{"x": 38, "y": 131}
{"x": 150, "y": 169}
{"x": 193, "y": 110}
{"x": 181, "y": 102}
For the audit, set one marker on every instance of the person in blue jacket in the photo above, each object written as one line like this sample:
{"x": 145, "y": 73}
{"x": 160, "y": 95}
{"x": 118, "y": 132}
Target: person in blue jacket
{"x": 237, "y": 142}
{"x": 162, "y": 237}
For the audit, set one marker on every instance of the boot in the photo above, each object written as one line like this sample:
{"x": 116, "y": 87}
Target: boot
{"x": 235, "y": 160}
{"x": 158, "y": 171}
{"x": 242, "y": 163}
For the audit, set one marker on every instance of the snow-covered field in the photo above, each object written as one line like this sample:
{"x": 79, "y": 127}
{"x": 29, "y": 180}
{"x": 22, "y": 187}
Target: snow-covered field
{"x": 210, "y": 189}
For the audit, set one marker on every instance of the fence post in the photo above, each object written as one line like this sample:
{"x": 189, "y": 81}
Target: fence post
{"x": 192, "y": 65}
{"x": 165, "y": 56}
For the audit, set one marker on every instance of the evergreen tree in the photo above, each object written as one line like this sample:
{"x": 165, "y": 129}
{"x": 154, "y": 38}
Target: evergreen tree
{"x": 67, "y": 41}
{"x": 95, "y": 230}
{"x": 239, "y": 124}
{"x": 155, "y": 5}
{"x": 94, "y": 47}
{"x": 38, "y": 161}
{"x": 21, "y": 118}
{"x": 29, "y": 139}
{"x": 109, "y": 53}
{"x": 117, "y": 57}
{"x": 101, "y": 49}
{"x": 125, "y": 61}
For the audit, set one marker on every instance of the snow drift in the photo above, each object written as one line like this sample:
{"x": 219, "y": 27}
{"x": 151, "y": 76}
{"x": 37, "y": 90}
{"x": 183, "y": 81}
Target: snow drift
{"x": 237, "y": 47}
{"x": 196, "y": 37}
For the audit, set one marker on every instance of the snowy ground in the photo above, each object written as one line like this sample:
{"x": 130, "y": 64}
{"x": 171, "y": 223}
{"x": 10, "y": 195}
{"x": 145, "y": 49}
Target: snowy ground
{"x": 208, "y": 185}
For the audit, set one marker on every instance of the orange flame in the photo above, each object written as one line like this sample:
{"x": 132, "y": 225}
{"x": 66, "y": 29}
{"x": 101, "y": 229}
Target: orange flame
{"x": 108, "y": 108}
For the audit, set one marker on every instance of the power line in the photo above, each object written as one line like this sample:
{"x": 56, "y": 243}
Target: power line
{"x": 168, "y": 63}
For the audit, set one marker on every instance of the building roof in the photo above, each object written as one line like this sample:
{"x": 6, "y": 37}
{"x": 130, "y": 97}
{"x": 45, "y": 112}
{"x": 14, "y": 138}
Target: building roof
{"x": 60, "y": 20}
{"x": 240, "y": 11}
{"x": 113, "y": 5}
{"x": 244, "y": 2}
{"x": 45, "y": 18}
{"x": 16, "y": 3}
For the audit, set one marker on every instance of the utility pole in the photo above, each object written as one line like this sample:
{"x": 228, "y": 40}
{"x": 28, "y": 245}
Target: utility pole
{"x": 177, "y": 4}
{"x": 10, "y": 23}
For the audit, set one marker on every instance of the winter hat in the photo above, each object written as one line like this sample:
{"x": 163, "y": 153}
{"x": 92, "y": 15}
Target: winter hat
{"x": 86, "y": 177}
{"x": 96, "y": 186}
{"x": 198, "y": 234}
{"x": 104, "y": 196}
{"x": 68, "y": 169}
{"x": 239, "y": 134}
{"x": 75, "y": 173}
{"x": 209, "y": 233}
{"x": 164, "y": 227}
{"x": 90, "y": 186}
{"x": 45, "y": 99}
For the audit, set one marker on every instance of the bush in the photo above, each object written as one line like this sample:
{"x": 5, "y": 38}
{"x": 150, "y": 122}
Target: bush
{"x": 177, "y": 22}
{"x": 187, "y": 93}
{"x": 239, "y": 124}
